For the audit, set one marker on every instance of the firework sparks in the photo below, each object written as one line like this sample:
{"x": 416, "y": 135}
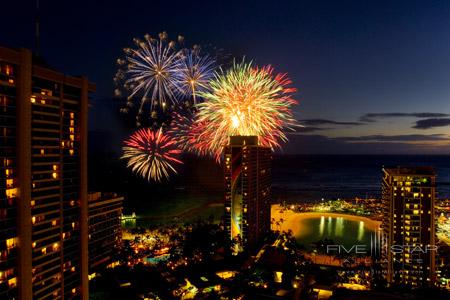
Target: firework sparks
{"x": 151, "y": 72}
{"x": 187, "y": 132}
{"x": 151, "y": 154}
{"x": 158, "y": 74}
{"x": 197, "y": 72}
{"x": 246, "y": 100}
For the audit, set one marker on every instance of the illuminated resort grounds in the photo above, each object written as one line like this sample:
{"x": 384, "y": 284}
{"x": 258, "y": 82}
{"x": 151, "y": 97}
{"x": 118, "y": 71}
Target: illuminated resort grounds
{"x": 291, "y": 218}
{"x": 178, "y": 208}
{"x": 319, "y": 225}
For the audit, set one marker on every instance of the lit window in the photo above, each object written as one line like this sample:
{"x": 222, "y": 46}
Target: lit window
{"x": 46, "y": 92}
{"x": 12, "y": 282}
{"x": 11, "y": 243}
{"x": 5, "y": 274}
{"x": 9, "y": 183}
{"x": 11, "y": 193}
{"x": 8, "y": 70}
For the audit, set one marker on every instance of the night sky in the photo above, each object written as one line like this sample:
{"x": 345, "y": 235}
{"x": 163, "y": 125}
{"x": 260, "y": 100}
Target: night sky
{"x": 373, "y": 76}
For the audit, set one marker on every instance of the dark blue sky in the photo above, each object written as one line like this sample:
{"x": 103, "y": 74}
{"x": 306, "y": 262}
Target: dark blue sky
{"x": 388, "y": 59}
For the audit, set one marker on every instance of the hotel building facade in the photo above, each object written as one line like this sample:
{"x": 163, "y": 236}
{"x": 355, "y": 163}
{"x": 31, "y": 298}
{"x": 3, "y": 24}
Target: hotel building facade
{"x": 43, "y": 180}
{"x": 105, "y": 229}
{"x": 247, "y": 191}
{"x": 409, "y": 239}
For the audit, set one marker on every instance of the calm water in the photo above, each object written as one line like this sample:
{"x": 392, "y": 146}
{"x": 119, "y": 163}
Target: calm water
{"x": 312, "y": 177}
{"x": 340, "y": 230}
{"x": 295, "y": 178}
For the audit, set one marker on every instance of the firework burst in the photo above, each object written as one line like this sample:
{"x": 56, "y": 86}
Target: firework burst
{"x": 151, "y": 73}
{"x": 197, "y": 72}
{"x": 187, "y": 131}
{"x": 246, "y": 100}
{"x": 151, "y": 154}
{"x": 158, "y": 74}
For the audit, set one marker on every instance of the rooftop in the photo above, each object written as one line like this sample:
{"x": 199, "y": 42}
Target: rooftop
{"x": 40, "y": 68}
{"x": 420, "y": 170}
{"x": 240, "y": 140}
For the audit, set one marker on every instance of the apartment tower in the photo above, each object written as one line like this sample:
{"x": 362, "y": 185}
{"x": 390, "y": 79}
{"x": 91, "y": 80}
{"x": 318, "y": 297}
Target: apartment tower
{"x": 43, "y": 180}
{"x": 409, "y": 248}
{"x": 247, "y": 191}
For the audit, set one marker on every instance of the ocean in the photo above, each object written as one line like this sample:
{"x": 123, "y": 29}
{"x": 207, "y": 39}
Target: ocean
{"x": 313, "y": 177}
{"x": 295, "y": 179}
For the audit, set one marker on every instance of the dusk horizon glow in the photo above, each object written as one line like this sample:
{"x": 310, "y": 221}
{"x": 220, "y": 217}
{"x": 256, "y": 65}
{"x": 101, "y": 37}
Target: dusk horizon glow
{"x": 225, "y": 150}
{"x": 362, "y": 69}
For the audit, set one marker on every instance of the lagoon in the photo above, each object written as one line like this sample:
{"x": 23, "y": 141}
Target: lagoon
{"x": 347, "y": 230}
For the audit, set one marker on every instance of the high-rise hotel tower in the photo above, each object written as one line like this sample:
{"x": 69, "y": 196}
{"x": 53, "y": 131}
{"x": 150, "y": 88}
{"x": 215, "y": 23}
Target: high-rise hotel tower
{"x": 105, "y": 229}
{"x": 247, "y": 191}
{"x": 43, "y": 180}
{"x": 409, "y": 226}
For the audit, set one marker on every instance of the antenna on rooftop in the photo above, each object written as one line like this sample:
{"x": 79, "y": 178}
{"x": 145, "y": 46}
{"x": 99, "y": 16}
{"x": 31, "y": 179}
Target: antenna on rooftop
{"x": 36, "y": 38}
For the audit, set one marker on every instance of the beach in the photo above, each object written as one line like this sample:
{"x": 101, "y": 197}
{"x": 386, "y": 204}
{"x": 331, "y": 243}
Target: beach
{"x": 292, "y": 220}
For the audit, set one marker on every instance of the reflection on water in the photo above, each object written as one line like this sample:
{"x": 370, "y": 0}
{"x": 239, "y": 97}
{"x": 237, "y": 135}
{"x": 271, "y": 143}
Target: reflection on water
{"x": 340, "y": 230}
{"x": 322, "y": 225}
{"x": 360, "y": 231}
{"x": 329, "y": 226}
{"x": 339, "y": 226}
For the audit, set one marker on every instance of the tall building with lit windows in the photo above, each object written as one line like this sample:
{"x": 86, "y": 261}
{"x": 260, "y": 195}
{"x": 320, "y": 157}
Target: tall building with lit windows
{"x": 105, "y": 229}
{"x": 409, "y": 248}
{"x": 247, "y": 191}
{"x": 43, "y": 180}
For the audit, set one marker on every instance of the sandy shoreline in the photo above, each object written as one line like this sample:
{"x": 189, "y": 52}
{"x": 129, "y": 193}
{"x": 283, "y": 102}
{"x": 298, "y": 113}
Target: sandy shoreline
{"x": 292, "y": 220}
